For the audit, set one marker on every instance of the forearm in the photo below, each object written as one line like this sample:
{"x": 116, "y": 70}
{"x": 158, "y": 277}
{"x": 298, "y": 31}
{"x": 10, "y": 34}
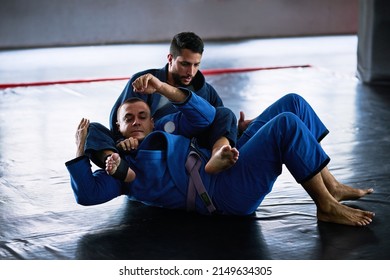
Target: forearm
{"x": 172, "y": 93}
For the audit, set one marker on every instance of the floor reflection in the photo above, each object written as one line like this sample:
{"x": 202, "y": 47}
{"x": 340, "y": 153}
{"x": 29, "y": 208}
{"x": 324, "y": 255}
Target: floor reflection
{"x": 154, "y": 233}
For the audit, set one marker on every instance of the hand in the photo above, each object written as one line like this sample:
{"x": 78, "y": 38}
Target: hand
{"x": 81, "y": 135}
{"x": 242, "y": 123}
{"x": 128, "y": 144}
{"x": 147, "y": 84}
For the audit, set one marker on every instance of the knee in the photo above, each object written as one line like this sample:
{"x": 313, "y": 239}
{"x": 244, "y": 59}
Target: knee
{"x": 96, "y": 126}
{"x": 224, "y": 115}
{"x": 287, "y": 115}
{"x": 287, "y": 120}
{"x": 298, "y": 100}
{"x": 99, "y": 129}
{"x": 224, "y": 112}
{"x": 294, "y": 97}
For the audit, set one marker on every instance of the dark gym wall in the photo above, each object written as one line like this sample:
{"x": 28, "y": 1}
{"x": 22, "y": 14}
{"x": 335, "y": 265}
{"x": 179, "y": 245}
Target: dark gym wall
{"x": 26, "y": 23}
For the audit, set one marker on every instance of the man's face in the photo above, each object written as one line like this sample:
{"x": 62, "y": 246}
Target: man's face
{"x": 134, "y": 120}
{"x": 183, "y": 68}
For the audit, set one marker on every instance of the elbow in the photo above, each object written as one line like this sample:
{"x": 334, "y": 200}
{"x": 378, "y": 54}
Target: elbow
{"x": 83, "y": 200}
{"x": 82, "y": 197}
{"x": 208, "y": 118}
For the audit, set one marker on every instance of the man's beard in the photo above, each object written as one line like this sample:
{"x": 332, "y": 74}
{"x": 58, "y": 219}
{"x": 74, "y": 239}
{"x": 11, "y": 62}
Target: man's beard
{"x": 177, "y": 80}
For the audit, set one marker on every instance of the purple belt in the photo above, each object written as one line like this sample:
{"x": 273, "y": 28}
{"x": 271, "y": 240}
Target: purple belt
{"x": 195, "y": 184}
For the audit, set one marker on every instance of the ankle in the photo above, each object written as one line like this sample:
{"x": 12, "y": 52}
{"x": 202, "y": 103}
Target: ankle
{"x": 130, "y": 175}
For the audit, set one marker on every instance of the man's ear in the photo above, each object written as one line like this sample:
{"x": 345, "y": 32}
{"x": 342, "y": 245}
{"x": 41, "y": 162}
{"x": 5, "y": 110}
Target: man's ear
{"x": 170, "y": 58}
{"x": 152, "y": 121}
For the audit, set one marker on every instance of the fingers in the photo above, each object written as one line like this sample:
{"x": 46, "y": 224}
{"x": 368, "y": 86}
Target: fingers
{"x": 140, "y": 84}
{"x": 84, "y": 123}
{"x": 81, "y": 135}
{"x": 242, "y": 123}
{"x": 147, "y": 84}
{"x": 128, "y": 144}
{"x": 82, "y": 128}
{"x": 144, "y": 84}
{"x": 242, "y": 116}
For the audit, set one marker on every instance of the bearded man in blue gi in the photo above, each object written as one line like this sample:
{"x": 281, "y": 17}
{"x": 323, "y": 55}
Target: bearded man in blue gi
{"x": 164, "y": 169}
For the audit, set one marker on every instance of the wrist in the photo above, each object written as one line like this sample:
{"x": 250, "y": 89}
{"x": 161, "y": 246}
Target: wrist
{"x": 80, "y": 151}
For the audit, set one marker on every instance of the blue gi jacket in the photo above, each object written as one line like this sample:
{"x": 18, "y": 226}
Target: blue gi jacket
{"x": 159, "y": 163}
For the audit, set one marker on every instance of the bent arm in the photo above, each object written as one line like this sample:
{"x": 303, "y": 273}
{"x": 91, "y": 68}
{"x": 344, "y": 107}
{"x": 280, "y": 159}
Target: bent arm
{"x": 194, "y": 116}
{"x": 149, "y": 84}
{"x": 91, "y": 188}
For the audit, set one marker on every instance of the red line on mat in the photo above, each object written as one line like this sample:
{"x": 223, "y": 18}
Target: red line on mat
{"x": 205, "y": 72}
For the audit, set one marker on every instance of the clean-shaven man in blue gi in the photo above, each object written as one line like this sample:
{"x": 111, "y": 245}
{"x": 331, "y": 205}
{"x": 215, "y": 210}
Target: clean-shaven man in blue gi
{"x": 181, "y": 70}
{"x": 165, "y": 169}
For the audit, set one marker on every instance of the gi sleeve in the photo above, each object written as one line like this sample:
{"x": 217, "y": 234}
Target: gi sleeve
{"x": 194, "y": 116}
{"x": 91, "y": 188}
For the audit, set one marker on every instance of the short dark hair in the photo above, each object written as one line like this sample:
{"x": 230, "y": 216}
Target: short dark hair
{"x": 186, "y": 40}
{"x": 132, "y": 100}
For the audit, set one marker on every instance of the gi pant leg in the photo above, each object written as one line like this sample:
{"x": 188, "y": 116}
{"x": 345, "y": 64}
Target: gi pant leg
{"x": 289, "y": 103}
{"x": 224, "y": 124}
{"x": 99, "y": 138}
{"x": 285, "y": 139}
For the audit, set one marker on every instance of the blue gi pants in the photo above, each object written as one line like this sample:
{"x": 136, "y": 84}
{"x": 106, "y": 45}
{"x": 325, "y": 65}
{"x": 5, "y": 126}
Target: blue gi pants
{"x": 288, "y": 132}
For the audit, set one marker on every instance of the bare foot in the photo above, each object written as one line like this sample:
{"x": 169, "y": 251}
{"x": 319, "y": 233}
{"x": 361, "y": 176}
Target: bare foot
{"x": 343, "y": 192}
{"x": 222, "y": 159}
{"x": 342, "y": 214}
{"x": 113, "y": 165}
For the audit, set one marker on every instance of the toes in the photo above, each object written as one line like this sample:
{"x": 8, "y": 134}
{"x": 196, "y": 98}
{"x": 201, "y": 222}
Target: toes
{"x": 370, "y": 190}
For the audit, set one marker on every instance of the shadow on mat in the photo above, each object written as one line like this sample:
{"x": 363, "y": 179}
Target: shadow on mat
{"x": 338, "y": 242}
{"x": 148, "y": 233}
